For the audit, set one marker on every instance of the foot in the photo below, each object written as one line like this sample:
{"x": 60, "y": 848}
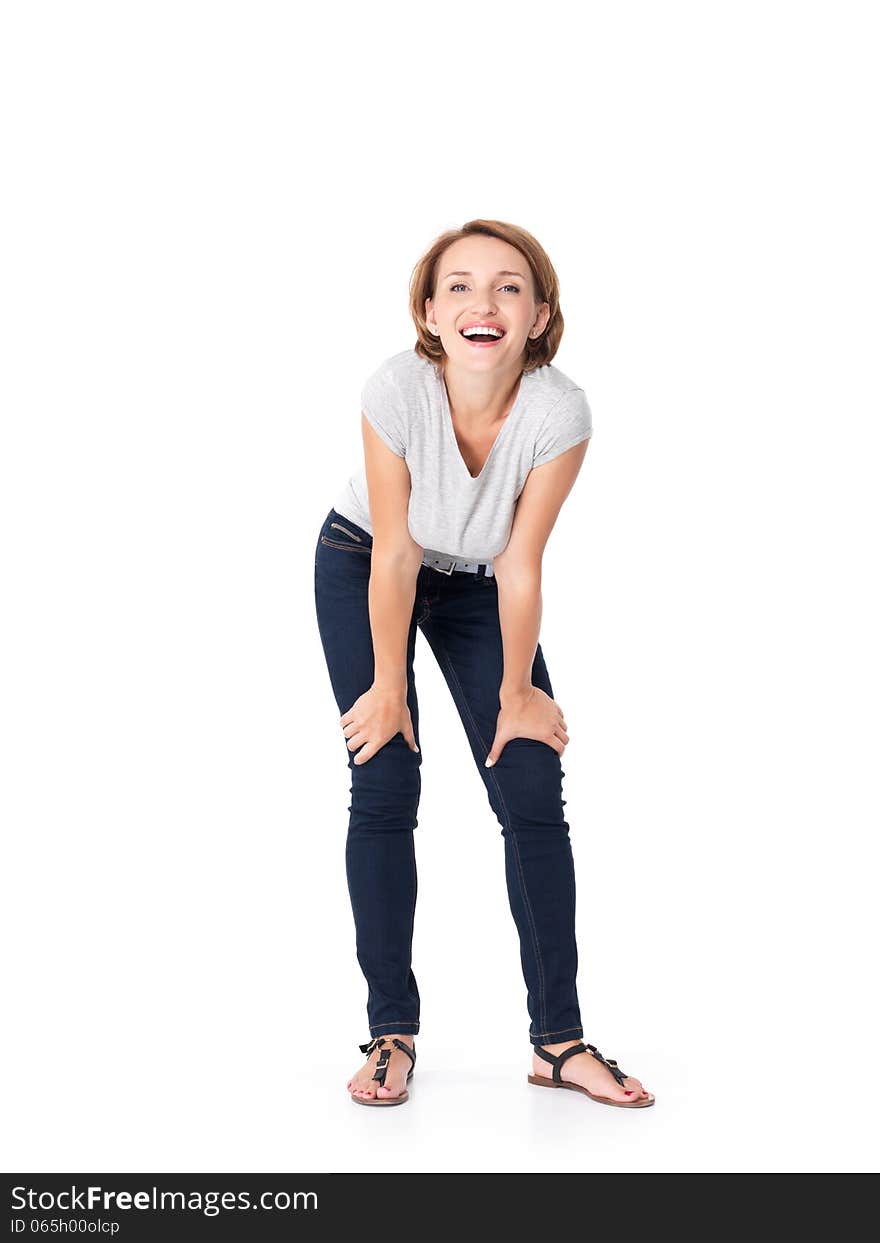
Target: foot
{"x": 584, "y": 1070}
{"x": 364, "y": 1085}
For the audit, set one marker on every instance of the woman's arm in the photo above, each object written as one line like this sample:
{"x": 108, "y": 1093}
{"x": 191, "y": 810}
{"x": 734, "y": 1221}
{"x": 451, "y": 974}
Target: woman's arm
{"x": 518, "y": 574}
{"x": 381, "y": 711}
{"x": 395, "y": 559}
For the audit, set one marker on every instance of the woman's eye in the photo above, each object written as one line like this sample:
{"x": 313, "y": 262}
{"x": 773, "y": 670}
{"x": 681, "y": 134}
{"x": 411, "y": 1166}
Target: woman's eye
{"x": 459, "y": 285}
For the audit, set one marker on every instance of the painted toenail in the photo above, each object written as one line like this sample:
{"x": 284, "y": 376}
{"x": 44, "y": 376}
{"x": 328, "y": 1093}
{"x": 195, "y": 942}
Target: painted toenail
{"x": 627, "y": 1093}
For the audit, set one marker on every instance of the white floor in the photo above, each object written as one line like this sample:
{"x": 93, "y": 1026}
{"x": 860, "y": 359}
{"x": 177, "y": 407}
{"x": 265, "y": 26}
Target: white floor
{"x": 182, "y": 1112}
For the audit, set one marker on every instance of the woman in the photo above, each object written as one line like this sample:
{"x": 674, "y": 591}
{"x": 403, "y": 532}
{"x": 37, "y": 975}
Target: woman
{"x": 472, "y": 441}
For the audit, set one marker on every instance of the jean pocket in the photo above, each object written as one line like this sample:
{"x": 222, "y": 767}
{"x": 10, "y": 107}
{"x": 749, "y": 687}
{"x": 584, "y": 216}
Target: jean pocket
{"x": 337, "y": 526}
{"x": 345, "y": 539}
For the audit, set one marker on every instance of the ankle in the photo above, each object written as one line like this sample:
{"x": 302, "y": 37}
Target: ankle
{"x": 557, "y": 1048}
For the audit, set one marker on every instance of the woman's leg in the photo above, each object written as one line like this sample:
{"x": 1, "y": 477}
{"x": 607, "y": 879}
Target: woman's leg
{"x": 525, "y": 792}
{"x": 380, "y": 850}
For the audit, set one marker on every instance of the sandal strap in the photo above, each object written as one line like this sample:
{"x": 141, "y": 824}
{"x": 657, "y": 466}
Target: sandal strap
{"x": 385, "y": 1055}
{"x": 410, "y": 1053}
{"x": 382, "y": 1066}
{"x": 558, "y": 1059}
{"x": 618, "y": 1074}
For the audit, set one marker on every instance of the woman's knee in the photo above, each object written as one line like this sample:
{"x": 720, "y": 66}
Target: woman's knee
{"x": 385, "y": 790}
{"x": 525, "y": 786}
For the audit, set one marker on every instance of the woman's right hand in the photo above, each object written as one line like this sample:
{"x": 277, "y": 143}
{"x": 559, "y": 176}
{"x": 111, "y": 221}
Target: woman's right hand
{"x": 374, "y": 718}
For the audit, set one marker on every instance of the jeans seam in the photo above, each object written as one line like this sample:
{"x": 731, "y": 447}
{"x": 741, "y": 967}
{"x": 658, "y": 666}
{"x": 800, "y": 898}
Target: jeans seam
{"x": 412, "y": 924}
{"x": 493, "y": 778}
{"x": 428, "y": 601}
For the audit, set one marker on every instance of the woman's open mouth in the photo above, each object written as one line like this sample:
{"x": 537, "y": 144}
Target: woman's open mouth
{"x": 480, "y": 337}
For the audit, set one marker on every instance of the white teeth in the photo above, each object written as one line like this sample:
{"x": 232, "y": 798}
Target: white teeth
{"x": 482, "y": 332}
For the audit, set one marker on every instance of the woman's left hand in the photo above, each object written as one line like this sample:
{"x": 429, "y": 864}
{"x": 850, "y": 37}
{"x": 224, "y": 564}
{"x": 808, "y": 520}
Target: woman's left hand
{"x": 532, "y": 714}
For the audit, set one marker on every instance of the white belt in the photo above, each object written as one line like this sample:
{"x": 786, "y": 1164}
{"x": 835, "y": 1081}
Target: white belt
{"x": 446, "y": 565}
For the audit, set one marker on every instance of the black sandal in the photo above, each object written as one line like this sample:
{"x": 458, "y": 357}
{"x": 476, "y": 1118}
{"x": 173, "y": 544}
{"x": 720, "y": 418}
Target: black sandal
{"x": 382, "y": 1069}
{"x": 556, "y": 1060}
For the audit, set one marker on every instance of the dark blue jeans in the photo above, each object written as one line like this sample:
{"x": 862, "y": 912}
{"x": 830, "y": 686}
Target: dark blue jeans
{"x": 458, "y": 615}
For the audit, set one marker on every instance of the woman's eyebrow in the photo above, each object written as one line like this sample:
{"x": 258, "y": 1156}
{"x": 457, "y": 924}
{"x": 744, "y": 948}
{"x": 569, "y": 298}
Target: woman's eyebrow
{"x": 503, "y": 272}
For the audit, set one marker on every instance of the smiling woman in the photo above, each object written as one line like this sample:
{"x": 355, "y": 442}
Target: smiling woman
{"x": 477, "y": 404}
{"x": 472, "y": 441}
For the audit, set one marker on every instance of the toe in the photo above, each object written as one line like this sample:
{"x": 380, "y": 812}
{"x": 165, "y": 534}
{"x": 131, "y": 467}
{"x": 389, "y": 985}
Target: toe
{"x": 637, "y": 1088}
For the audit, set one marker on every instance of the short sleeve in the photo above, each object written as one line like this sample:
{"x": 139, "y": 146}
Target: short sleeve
{"x": 567, "y": 424}
{"x": 382, "y": 403}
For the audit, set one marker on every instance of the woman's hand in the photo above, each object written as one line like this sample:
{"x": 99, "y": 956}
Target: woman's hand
{"x": 532, "y": 714}
{"x": 373, "y": 718}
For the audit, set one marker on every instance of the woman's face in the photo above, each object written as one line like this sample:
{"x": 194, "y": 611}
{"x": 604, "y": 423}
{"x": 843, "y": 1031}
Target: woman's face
{"x": 483, "y": 280}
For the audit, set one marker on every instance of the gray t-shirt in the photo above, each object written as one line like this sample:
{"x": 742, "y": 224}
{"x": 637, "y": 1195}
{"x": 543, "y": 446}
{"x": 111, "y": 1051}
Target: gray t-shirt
{"x": 451, "y": 513}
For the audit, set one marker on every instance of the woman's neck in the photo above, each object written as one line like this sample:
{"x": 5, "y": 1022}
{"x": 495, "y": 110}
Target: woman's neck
{"x": 480, "y": 400}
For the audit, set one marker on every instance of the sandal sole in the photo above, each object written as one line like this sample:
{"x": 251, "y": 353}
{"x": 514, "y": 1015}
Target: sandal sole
{"x": 540, "y": 1081}
{"x": 383, "y": 1100}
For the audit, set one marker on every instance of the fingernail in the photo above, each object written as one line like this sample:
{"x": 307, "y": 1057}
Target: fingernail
{"x": 489, "y": 762}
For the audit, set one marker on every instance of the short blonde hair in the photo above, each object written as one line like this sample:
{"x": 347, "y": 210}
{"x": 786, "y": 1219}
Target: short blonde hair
{"x": 423, "y": 283}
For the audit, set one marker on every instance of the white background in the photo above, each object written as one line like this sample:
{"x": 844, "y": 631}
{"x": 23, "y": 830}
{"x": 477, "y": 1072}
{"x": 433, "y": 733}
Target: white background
{"x": 210, "y": 218}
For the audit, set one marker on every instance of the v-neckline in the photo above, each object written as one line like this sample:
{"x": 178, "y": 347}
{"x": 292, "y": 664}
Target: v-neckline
{"x": 450, "y": 426}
